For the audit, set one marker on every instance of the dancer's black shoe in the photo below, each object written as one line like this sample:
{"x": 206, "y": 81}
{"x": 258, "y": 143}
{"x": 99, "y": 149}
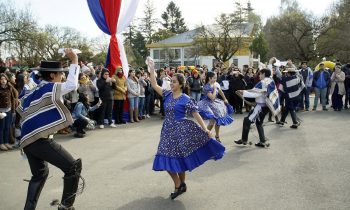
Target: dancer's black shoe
{"x": 294, "y": 126}
{"x": 262, "y": 144}
{"x": 183, "y": 187}
{"x": 241, "y": 142}
{"x": 178, "y": 191}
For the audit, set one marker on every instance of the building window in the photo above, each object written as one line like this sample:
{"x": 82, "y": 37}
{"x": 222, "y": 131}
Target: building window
{"x": 235, "y": 61}
{"x": 167, "y": 55}
{"x": 174, "y": 54}
{"x": 156, "y": 54}
{"x": 189, "y": 52}
{"x": 162, "y": 54}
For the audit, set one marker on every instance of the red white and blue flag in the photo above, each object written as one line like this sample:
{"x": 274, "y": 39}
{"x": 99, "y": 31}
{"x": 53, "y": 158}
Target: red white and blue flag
{"x": 112, "y": 17}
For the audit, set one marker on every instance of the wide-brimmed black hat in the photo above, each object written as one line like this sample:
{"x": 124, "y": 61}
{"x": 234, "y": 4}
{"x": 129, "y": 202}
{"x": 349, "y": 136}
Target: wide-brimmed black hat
{"x": 290, "y": 70}
{"x": 50, "y": 66}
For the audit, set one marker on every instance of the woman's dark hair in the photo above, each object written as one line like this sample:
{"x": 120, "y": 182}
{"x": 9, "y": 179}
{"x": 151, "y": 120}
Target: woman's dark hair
{"x": 134, "y": 77}
{"x": 104, "y": 70}
{"x": 4, "y": 75}
{"x": 131, "y": 70}
{"x": 181, "y": 79}
{"x": 9, "y": 77}
{"x": 267, "y": 72}
{"x": 20, "y": 82}
{"x": 208, "y": 76}
{"x": 80, "y": 76}
{"x": 84, "y": 100}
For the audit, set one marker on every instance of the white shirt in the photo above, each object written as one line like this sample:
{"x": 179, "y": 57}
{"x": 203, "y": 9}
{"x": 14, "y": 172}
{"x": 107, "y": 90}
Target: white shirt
{"x": 260, "y": 97}
{"x": 72, "y": 80}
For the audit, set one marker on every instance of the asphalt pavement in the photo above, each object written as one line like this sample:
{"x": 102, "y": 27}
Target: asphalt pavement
{"x": 304, "y": 168}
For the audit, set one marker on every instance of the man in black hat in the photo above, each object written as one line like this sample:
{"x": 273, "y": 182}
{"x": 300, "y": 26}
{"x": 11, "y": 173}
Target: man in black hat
{"x": 43, "y": 113}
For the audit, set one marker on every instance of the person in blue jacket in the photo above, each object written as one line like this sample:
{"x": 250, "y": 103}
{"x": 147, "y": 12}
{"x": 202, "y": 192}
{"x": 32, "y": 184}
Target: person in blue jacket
{"x": 80, "y": 114}
{"x": 321, "y": 81}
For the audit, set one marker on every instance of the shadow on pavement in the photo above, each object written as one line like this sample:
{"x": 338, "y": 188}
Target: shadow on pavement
{"x": 138, "y": 164}
{"x": 159, "y": 203}
{"x": 229, "y": 162}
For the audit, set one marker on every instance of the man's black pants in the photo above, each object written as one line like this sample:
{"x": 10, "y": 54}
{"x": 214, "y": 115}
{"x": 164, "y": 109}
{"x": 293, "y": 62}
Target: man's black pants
{"x": 47, "y": 150}
{"x": 256, "y": 115}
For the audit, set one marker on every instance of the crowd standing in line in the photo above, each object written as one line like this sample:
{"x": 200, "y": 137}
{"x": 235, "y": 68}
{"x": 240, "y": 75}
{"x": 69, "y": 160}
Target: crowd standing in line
{"x": 111, "y": 100}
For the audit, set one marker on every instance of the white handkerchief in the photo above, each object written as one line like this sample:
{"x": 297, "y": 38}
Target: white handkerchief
{"x": 61, "y": 50}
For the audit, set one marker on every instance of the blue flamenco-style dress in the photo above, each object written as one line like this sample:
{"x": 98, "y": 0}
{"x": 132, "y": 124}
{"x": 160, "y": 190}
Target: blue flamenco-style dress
{"x": 215, "y": 109}
{"x": 183, "y": 144}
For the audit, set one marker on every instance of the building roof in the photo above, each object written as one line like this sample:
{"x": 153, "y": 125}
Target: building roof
{"x": 187, "y": 38}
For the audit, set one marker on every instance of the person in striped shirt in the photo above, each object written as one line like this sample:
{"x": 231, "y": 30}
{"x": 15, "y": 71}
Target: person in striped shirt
{"x": 292, "y": 86}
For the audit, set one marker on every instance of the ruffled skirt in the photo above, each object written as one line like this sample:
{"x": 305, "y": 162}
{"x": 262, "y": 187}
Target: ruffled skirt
{"x": 184, "y": 146}
{"x": 216, "y": 110}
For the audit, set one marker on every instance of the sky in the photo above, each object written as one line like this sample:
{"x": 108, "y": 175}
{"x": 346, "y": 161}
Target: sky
{"x": 76, "y": 14}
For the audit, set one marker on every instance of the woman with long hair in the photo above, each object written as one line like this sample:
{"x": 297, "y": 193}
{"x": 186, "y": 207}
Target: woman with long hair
{"x": 212, "y": 108}
{"x": 87, "y": 87}
{"x": 80, "y": 114}
{"x": 133, "y": 96}
{"x": 7, "y": 110}
{"x": 106, "y": 86}
{"x": 184, "y": 145}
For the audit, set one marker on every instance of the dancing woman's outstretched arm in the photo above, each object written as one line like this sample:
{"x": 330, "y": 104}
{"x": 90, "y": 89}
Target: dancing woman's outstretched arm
{"x": 151, "y": 70}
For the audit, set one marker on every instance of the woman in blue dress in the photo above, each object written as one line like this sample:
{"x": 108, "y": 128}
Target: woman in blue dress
{"x": 211, "y": 108}
{"x": 184, "y": 145}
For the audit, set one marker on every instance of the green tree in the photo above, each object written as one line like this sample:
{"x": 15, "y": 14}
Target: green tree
{"x": 335, "y": 34}
{"x": 173, "y": 19}
{"x": 253, "y": 18}
{"x": 139, "y": 44}
{"x": 99, "y": 48}
{"x": 43, "y": 44}
{"x": 148, "y": 22}
{"x": 260, "y": 47}
{"x": 291, "y": 35}
{"x": 99, "y": 58}
{"x": 225, "y": 38}
{"x": 15, "y": 25}
{"x": 135, "y": 43}
{"x": 162, "y": 34}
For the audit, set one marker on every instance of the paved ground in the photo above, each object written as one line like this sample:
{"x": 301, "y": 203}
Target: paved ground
{"x": 307, "y": 168}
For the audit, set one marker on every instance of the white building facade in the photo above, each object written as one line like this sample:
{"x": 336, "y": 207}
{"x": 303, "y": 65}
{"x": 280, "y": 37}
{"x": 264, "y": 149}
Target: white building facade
{"x": 179, "y": 50}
